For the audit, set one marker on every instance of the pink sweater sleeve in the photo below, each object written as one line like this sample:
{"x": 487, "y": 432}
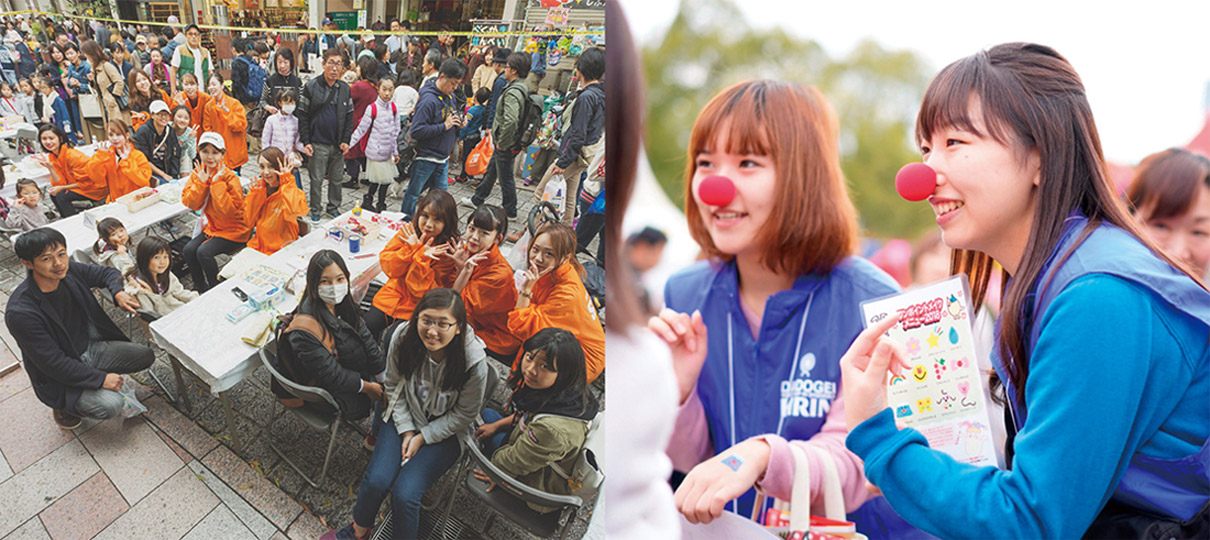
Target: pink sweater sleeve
{"x": 779, "y": 475}
{"x": 690, "y": 443}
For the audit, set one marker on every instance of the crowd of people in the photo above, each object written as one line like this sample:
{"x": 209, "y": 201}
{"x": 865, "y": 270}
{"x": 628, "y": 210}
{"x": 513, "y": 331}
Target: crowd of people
{"x": 385, "y": 108}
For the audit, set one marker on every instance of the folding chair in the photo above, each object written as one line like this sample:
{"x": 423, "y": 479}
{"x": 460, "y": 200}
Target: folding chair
{"x": 510, "y": 497}
{"x": 313, "y": 414}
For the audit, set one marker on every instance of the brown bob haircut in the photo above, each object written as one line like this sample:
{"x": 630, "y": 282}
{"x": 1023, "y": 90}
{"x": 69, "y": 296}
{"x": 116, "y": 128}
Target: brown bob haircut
{"x": 1166, "y": 183}
{"x": 815, "y": 227}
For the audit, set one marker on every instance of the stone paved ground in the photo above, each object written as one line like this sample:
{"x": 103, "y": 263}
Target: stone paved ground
{"x": 172, "y": 472}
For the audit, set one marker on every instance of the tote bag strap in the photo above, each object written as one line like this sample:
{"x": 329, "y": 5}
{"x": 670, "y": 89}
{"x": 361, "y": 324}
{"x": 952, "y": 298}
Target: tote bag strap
{"x": 799, "y": 504}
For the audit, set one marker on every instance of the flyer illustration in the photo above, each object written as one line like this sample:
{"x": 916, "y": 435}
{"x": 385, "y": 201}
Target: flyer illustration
{"x": 943, "y": 395}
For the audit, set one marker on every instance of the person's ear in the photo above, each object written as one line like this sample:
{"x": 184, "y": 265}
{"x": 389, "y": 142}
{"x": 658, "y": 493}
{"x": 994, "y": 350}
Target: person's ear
{"x": 27, "y": 264}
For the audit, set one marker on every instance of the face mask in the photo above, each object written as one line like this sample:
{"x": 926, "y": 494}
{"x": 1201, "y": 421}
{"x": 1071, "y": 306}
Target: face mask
{"x": 333, "y": 294}
{"x": 288, "y": 109}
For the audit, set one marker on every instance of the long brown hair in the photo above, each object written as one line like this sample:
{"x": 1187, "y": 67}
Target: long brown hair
{"x": 1032, "y": 99}
{"x": 623, "y": 142}
{"x": 814, "y": 227}
{"x": 138, "y": 101}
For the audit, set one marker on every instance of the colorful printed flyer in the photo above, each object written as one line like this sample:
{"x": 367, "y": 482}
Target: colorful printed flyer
{"x": 943, "y": 396}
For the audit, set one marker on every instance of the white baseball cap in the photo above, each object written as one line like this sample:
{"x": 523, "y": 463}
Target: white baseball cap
{"x": 213, "y": 138}
{"x": 158, "y": 106}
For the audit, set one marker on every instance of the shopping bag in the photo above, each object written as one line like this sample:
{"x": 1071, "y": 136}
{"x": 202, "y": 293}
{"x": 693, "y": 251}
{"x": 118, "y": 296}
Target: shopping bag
{"x": 476, "y": 162}
{"x": 793, "y": 518}
{"x": 130, "y": 404}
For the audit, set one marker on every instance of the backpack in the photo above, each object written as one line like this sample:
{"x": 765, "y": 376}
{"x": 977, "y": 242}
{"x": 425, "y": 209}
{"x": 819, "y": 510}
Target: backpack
{"x": 284, "y": 360}
{"x": 365, "y": 139}
{"x": 530, "y": 122}
{"x": 256, "y": 77}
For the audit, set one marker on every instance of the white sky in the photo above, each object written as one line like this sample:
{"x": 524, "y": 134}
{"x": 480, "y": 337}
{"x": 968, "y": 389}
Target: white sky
{"x": 1146, "y": 65}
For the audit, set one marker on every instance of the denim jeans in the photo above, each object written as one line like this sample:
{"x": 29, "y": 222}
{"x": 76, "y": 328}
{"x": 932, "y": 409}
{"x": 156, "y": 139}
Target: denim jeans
{"x": 424, "y": 173}
{"x": 503, "y": 160}
{"x": 110, "y": 357}
{"x": 405, "y": 484}
{"x": 497, "y": 440}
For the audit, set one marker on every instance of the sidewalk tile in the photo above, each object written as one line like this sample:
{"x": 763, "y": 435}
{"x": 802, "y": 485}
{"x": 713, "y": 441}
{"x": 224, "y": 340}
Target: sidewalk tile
{"x": 179, "y": 427}
{"x": 6, "y": 472}
{"x": 176, "y": 448}
{"x": 133, "y": 456}
{"x": 306, "y": 527}
{"x": 221, "y": 523}
{"x": 253, "y": 520}
{"x": 30, "y": 432}
{"x": 276, "y": 536}
{"x": 254, "y": 488}
{"x": 31, "y": 490}
{"x": 31, "y": 530}
{"x": 170, "y": 511}
{"x": 85, "y": 511}
{"x": 13, "y": 383}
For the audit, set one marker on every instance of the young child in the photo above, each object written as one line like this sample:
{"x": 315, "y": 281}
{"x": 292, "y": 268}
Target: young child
{"x": 469, "y": 134}
{"x": 414, "y": 261}
{"x": 281, "y": 129}
{"x": 27, "y": 214}
{"x": 110, "y": 248}
{"x": 548, "y": 415}
{"x": 150, "y": 282}
{"x": 25, "y": 100}
{"x": 186, "y": 136}
{"x": 193, "y": 99}
{"x": 485, "y": 280}
{"x": 8, "y": 103}
{"x": 380, "y": 126}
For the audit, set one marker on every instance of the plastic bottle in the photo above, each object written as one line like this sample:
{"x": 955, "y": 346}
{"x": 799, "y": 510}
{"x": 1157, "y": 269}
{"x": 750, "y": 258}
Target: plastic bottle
{"x": 357, "y": 208}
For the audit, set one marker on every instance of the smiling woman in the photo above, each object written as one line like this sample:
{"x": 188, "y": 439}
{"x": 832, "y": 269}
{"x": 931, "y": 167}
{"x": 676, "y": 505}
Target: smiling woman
{"x": 762, "y": 324}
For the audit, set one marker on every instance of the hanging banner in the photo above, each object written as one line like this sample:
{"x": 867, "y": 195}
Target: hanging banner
{"x": 558, "y": 16}
{"x": 598, "y": 5}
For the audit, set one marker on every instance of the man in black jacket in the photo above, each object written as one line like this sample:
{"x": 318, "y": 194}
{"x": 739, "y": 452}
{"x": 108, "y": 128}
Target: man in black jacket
{"x": 582, "y": 141}
{"x": 325, "y": 125}
{"x": 72, "y": 351}
{"x": 157, "y": 141}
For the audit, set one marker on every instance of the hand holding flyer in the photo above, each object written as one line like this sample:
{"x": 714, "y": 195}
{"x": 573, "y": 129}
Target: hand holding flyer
{"x": 942, "y": 395}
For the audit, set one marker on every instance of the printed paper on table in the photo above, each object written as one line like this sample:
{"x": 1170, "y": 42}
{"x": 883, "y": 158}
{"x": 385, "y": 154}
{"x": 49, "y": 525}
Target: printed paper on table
{"x": 943, "y": 395}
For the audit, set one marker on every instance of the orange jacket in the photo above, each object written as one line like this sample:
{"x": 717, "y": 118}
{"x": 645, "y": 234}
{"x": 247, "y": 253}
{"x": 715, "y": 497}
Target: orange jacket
{"x": 275, "y": 216}
{"x": 560, "y": 300}
{"x": 231, "y": 124}
{"x": 137, "y": 119}
{"x": 410, "y": 274}
{"x": 123, "y": 176}
{"x": 225, "y": 209}
{"x": 195, "y": 112}
{"x": 489, "y": 295}
{"x": 71, "y": 166}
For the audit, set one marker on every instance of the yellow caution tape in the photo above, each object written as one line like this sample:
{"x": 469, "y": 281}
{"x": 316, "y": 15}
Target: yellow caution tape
{"x": 597, "y": 32}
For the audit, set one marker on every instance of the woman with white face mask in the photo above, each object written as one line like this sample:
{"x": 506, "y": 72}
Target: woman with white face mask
{"x": 327, "y": 344}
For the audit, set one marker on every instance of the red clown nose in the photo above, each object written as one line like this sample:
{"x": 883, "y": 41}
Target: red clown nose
{"x": 716, "y": 191}
{"x": 915, "y": 181}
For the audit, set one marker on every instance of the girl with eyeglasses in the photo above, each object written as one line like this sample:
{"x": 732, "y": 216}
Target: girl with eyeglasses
{"x": 436, "y": 376}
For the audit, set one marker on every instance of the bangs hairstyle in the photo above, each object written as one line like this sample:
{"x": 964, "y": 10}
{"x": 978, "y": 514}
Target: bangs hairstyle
{"x": 490, "y": 217}
{"x": 1032, "y": 99}
{"x": 1166, "y": 184}
{"x": 816, "y": 226}
{"x": 565, "y": 356}
{"x": 105, "y": 228}
{"x": 147, "y": 249}
{"x": 441, "y": 203}
{"x": 275, "y": 157}
{"x": 347, "y": 309}
{"x": 410, "y": 352}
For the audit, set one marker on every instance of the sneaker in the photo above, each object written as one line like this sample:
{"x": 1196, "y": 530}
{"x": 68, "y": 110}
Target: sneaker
{"x": 313, "y": 218}
{"x": 467, "y": 202}
{"x": 451, "y": 180}
{"x": 333, "y": 215}
{"x": 369, "y": 442}
{"x": 66, "y": 420}
{"x": 344, "y": 533}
